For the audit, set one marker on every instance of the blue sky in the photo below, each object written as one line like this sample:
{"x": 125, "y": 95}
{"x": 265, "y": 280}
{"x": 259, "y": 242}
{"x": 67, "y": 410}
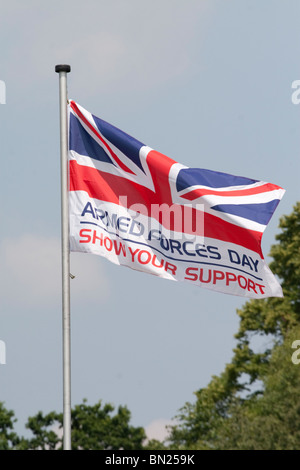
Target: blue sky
{"x": 208, "y": 83}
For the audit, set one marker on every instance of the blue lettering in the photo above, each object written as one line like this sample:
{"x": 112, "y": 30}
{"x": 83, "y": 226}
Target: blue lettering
{"x": 100, "y": 214}
{"x": 122, "y": 223}
{"x": 211, "y": 250}
{"x": 175, "y": 245}
{"x": 139, "y": 226}
{"x": 164, "y": 243}
{"x": 255, "y": 263}
{"x": 234, "y": 257}
{"x": 185, "y": 250}
{"x": 154, "y": 235}
{"x": 200, "y": 250}
{"x": 88, "y": 210}
{"x": 246, "y": 262}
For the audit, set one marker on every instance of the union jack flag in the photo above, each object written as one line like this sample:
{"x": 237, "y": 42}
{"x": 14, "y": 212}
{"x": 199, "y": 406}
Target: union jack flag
{"x": 107, "y": 164}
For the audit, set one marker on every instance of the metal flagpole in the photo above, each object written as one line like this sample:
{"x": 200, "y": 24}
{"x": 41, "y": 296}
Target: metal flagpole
{"x": 63, "y": 70}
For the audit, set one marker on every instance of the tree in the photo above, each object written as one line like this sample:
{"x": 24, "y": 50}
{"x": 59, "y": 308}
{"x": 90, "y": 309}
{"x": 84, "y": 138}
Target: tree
{"x": 271, "y": 420}
{"x": 8, "y": 438}
{"x": 45, "y": 430}
{"x": 230, "y": 400}
{"x": 92, "y": 428}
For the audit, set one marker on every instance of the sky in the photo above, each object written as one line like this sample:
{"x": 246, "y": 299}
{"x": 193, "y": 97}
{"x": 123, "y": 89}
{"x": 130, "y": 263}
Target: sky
{"x": 206, "y": 82}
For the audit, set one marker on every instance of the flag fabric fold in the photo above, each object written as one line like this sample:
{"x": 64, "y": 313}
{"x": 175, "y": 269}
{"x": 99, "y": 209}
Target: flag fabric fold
{"x": 141, "y": 209}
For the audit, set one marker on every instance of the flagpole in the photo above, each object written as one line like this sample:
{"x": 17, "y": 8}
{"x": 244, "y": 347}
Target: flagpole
{"x": 63, "y": 70}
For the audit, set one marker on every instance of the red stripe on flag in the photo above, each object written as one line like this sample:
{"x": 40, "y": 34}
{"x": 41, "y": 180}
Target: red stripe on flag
{"x": 199, "y": 192}
{"x": 108, "y": 187}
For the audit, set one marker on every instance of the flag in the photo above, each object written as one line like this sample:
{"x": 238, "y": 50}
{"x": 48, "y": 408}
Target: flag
{"x": 141, "y": 209}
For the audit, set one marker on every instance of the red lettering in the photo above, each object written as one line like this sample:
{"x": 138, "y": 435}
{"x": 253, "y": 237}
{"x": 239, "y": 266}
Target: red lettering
{"x": 201, "y": 276}
{"x": 261, "y": 287}
{"x": 82, "y": 234}
{"x": 218, "y": 276}
{"x": 189, "y": 272}
{"x": 118, "y": 249}
{"x": 97, "y": 238}
{"x": 155, "y": 265}
{"x": 133, "y": 253}
{"x": 251, "y": 285}
{"x": 171, "y": 268}
{"x": 239, "y": 281}
{"x": 148, "y": 257}
{"x": 108, "y": 244}
{"x": 230, "y": 277}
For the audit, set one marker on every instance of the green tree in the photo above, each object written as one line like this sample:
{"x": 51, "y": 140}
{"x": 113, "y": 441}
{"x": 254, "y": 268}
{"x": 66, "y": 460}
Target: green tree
{"x": 95, "y": 428}
{"x": 45, "y": 429}
{"x": 92, "y": 428}
{"x": 271, "y": 420}
{"x": 230, "y": 397}
{"x": 8, "y": 438}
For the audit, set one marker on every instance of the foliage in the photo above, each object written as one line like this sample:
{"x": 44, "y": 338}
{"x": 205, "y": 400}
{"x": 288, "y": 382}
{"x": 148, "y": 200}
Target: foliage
{"x": 45, "y": 431}
{"x": 93, "y": 428}
{"x": 230, "y": 412}
{"x": 270, "y": 421}
{"x": 8, "y": 438}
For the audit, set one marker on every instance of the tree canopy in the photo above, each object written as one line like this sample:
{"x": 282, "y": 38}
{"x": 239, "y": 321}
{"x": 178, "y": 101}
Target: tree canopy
{"x": 8, "y": 438}
{"x": 94, "y": 427}
{"x": 255, "y": 402}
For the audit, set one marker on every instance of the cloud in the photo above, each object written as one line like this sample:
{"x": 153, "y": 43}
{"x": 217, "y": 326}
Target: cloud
{"x": 124, "y": 45}
{"x": 157, "y": 429}
{"x": 90, "y": 280}
{"x": 30, "y": 272}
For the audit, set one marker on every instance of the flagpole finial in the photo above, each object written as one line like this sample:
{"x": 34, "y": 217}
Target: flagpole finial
{"x": 63, "y": 68}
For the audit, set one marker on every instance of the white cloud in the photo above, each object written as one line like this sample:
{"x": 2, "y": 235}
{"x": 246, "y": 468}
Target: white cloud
{"x": 30, "y": 272}
{"x": 119, "y": 45}
{"x": 90, "y": 280}
{"x": 158, "y": 429}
